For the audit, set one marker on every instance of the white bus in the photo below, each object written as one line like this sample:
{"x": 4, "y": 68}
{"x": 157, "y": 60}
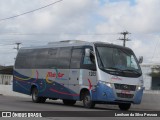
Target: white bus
{"x": 92, "y": 72}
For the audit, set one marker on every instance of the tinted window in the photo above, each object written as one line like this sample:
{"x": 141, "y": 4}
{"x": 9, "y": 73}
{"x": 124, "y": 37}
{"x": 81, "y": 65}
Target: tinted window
{"x": 46, "y": 58}
{"x": 37, "y": 58}
{"x": 76, "y": 58}
{"x": 25, "y": 59}
{"x": 118, "y": 61}
{"x": 106, "y": 54}
{"x": 89, "y": 60}
{"x": 64, "y": 58}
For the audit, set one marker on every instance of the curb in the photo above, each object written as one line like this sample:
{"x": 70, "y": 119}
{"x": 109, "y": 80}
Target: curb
{"x": 152, "y": 92}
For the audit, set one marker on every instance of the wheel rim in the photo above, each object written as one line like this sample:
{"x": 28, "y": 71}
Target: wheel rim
{"x": 35, "y": 93}
{"x": 87, "y": 100}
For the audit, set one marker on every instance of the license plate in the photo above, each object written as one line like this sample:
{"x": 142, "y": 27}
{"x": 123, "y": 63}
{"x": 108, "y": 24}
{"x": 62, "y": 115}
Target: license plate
{"x": 125, "y": 91}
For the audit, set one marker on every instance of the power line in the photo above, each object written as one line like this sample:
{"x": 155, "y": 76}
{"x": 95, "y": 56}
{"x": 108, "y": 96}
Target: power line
{"x": 30, "y": 11}
{"x": 5, "y": 44}
{"x": 50, "y": 34}
{"x": 71, "y": 34}
{"x": 7, "y": 52}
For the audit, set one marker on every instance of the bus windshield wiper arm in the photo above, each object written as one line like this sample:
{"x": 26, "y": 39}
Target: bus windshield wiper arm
{"x": 131, "y": 71}
{"x": 114, "y": 69}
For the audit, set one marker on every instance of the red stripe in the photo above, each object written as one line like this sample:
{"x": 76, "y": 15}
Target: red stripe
{"x": 53, "y": 90}
{"x": 90, "y": 85}
{"x": 37, "y": 74}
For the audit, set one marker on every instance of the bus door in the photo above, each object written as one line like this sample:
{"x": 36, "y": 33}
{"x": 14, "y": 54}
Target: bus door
{"x": 74, "y": 76}
{"x": 88, "y": 66}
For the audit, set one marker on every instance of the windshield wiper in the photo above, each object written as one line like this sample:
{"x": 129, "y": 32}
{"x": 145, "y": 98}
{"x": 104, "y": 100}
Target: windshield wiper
{"x": 114, "y": 69}
{"x": 128, "y": 70}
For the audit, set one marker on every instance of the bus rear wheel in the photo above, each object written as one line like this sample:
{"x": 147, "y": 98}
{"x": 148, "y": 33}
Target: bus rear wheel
{"x": 36, "y": 98}
{"x": 124, "y": 106}
{"x": 69, "y": 102}
{"x": 87, "y": 102}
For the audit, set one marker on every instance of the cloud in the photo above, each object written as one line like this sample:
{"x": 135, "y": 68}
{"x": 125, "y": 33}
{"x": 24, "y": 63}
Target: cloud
{"x": 83, "y": 17}
{"x": 67, "y": 16}
{"x": 141, "y": 19}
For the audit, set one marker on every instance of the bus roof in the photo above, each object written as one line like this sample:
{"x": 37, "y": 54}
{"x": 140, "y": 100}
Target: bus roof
{"x": 70, "y": 43}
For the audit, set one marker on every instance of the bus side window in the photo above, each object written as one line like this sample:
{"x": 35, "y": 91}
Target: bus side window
{"x": 76, "y": 58}
{"x": 89, "y": 59}
{"x": 64, "y": 57}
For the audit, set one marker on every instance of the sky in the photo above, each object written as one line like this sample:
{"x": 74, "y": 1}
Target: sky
{"x": 88, "y": 20}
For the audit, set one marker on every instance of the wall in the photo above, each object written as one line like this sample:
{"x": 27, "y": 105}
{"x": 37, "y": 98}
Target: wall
{"x": 146, "y": 69}
{"x": 6, "y": 79}
{"x": 155, "y": 83}
{"x": 7, "y": 90}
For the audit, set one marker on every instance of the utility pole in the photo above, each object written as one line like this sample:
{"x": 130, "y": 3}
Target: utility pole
{"x": 124, "y": 38}
{"x": 17, "y": 48}
{"x": 3, "y": 76}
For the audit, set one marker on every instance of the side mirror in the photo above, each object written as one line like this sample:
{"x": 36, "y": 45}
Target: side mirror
{"x": 87, "y": 52}
{"x": 140, "y": 59}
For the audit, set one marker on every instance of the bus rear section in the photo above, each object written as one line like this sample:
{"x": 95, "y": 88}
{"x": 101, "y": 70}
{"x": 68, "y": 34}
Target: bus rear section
{"x": 86, "y": 72}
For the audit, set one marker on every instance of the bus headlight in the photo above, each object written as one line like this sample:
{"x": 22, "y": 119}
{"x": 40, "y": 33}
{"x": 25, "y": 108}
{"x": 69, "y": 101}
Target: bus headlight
{"x": 139, "y": 87}
{"x": 106, "y": 83}
{"x": 109, "y": 85}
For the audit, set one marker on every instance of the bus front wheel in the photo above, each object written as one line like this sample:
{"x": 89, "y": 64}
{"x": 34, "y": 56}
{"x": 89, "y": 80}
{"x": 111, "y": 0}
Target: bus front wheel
{"x": 124, "y": 106}
{"x": 36, "y": 98}
{"x": 87, "y": 102}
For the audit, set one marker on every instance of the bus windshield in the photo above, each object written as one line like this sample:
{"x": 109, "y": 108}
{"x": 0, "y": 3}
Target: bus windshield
{"x": 117, "y": 59}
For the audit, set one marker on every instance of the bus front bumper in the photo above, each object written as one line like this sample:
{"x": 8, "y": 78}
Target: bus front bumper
{"x": 103, "y": 93}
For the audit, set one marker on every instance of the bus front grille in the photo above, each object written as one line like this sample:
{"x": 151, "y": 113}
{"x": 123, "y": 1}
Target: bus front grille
{"x": 125, "y": 87}
{"x": 122, "y": 95}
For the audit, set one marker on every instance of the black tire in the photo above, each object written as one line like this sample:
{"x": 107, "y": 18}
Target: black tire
{"x": 36, "y": 98}
{"x": 69, "y": 102}
{"x": 43, "y": 100}
{"x": 124, "y": 106}
{"x": 87, "y": 102}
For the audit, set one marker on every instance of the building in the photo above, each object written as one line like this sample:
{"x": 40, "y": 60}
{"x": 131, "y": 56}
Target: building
{"x": 151, "y": 82}
{"x": 6, "y": 75}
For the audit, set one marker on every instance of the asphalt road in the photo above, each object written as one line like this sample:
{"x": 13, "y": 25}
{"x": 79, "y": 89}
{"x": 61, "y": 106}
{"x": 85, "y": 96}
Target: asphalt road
{"x": 150, "y": 102}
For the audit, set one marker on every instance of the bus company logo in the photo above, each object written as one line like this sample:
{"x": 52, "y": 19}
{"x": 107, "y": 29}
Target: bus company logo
{"x": 6, "y": 114}
{"x": 55, "y": 75}
{"x": 115, "y": 78}
{"x": 125, "y": 87}
{"x": 21, "y": 114}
